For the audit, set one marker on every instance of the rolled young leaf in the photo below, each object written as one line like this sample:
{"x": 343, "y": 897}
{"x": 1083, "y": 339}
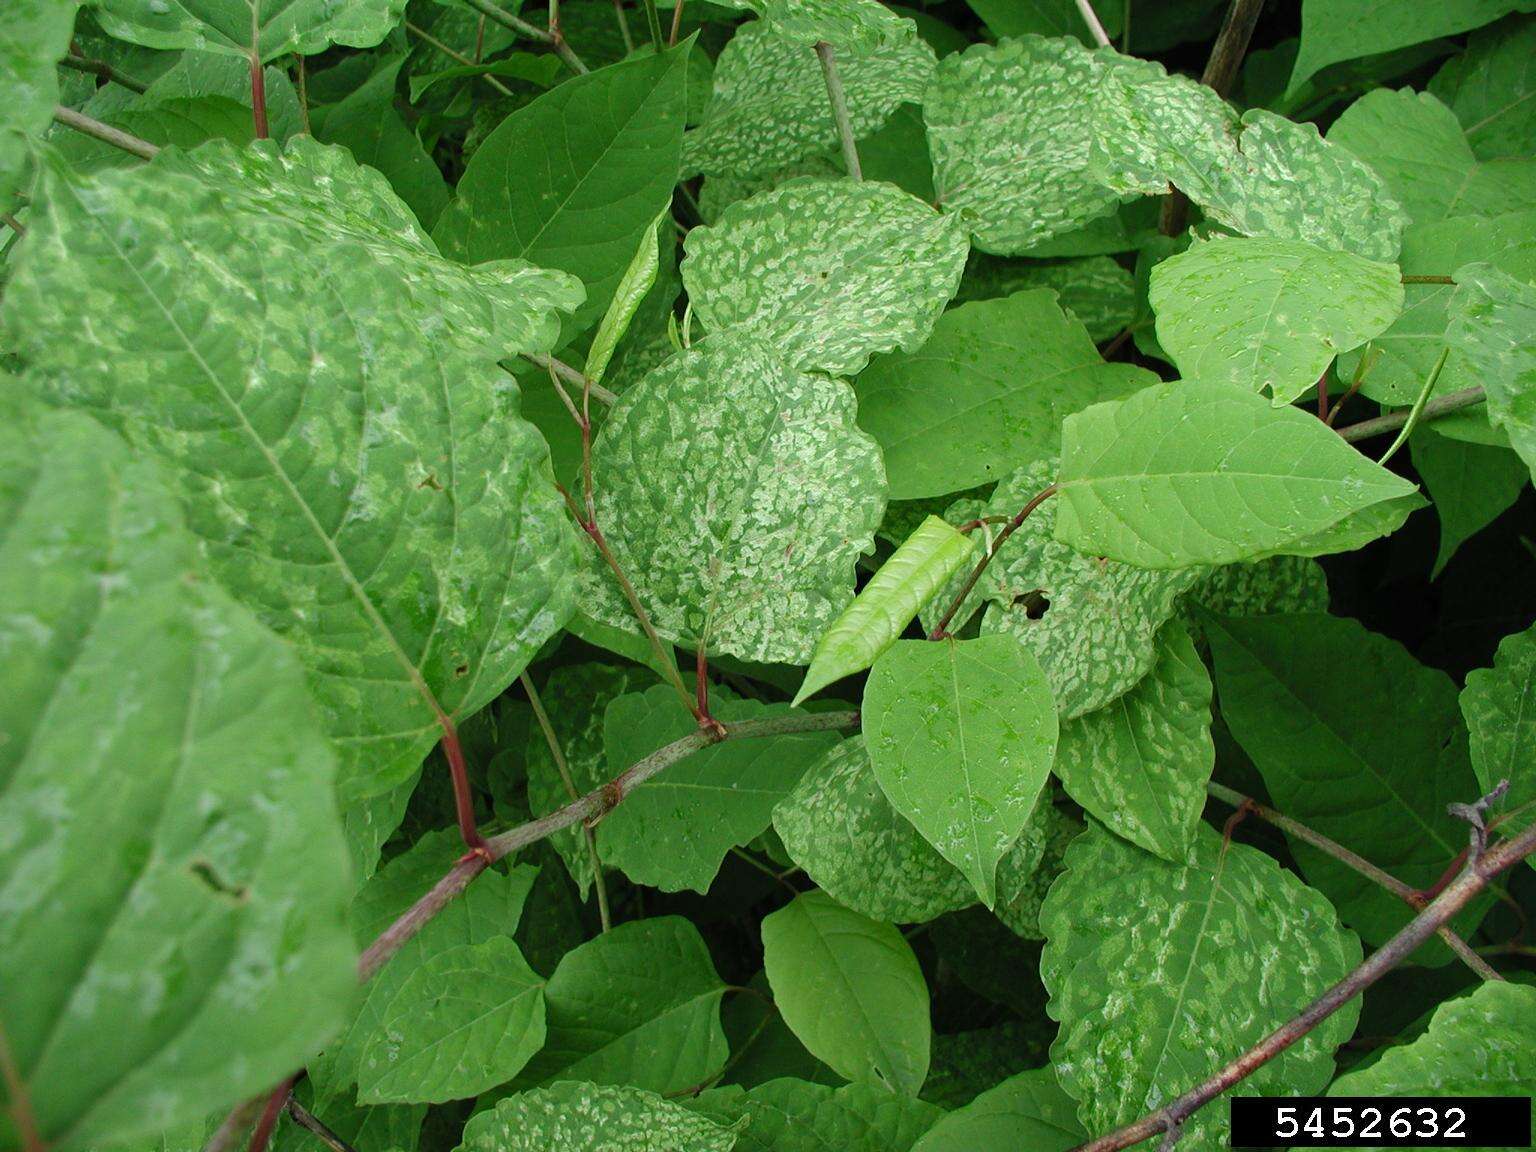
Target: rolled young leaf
{"x": 633, "y": 286}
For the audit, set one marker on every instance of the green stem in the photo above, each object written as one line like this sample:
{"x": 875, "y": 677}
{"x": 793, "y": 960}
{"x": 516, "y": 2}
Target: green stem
{"x": 1095, "y": 26}
{"x": 531, "y": 31}
{"x": 653, "y": 22}
{"x": 839, "y": 101}
{"x": 104, "y": 70}
{"x": 1417, "y": 410}
{"x": 427, "y": 38}
{"x": 1439, "y": 406}
{"x": 107, "y": 134}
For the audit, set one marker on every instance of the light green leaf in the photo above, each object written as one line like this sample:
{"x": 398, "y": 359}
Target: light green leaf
{"x": 170, "y": 947}
{"x": 1480, "y": 1044}
{"x": 770, "y": 108}
{"x": 466, "y": 1020}
{"x": 1279, "y": 584}
{"x": 1140, "y": 763}
{"x": 673, "y": 831}
{"x": 1355, "y": 739}
{"x": 196, "y": 74}
{"x": 1415, "y": 144}
{"x": 756, "y": 486}
{"x": 886, "y": 604}
{"x": 797, "y": 1116}
{"x": 1502, "y": 722}
{"x": 1094, "y": 289}
{"x": 854, "y": 26}
{"x": 34, "y": 36}
{"x": 838, "y": 826}
{"x": 637, "y": 280}
{"x": 542, "y": 71}
{"x": 850, "y": 989}
{"x": 596, "y": 158}
{"x": 1335, "y": 30}
{"x": 1492, "y": 89}
{"x": 577, "y": 1117}
{"x": 1197, "y": 473}
{"x": 265, "y": 28}
{"x": 1091, "y": 623}
{"x": 1025, "y": 1111}
{"x": 1268, "y": 315}
{"x": 403, "y": 537}
{"x": 1493, "y": 324}
{"x": 169, "y": 122}
{"x": 826, "y": 272}
{"x": 381, "y": 1128}
{"x": 1221, "y": 950}
{"x": 638, "y": 1005}
{"x": 961, "y": 734}
{"x": 1010, "y": 130}
{"x": 989, "y": 389}
{"x": 1470, "y": 484}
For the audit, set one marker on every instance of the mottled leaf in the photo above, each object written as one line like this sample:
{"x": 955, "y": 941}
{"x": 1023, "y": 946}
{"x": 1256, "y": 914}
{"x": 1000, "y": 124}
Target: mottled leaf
{"x": 1028, "y": 1110}
{"x": 577, "y": 1117}
{"x": 264, "y": 28}
{"x": 1095, "y": 289}
{"x": 796, "y": 1116}
{"x": 1501, "y": 719}
{"x": 1279, "y": 584}
{"x": 1493, "y": 324}
{"x": 855, "y": 26}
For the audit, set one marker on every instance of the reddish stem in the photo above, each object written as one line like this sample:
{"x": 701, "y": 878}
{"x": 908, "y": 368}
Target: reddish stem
{"x": 463, "y": 799}
{"x": 940, "y": 630}
{"x": 259, "y": 96}
{"x": 273, "y": 1108}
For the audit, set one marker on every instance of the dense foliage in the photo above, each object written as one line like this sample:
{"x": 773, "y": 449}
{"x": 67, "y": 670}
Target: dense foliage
{"x": 765, "y": 575}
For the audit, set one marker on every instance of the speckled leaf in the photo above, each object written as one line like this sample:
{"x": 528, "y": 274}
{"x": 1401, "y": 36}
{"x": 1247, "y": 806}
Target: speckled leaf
{"x": 769, "y": 108}
{"x": 961, "y": 734}
{"x": 1221, "y": 950}
{"x": 987, "y": 390}
{"x": 1026, "y": 874}
{"x": 638, "y": 1005}
{"x": 850, "y": 989}
{"x": 673, "y": 831}
{"x": 1090, "y": 622}
{"x": 1268, "y": 315}
{"x": 1025, "y": 1111}
{"x": 1497, "y": 704}
{"x": 854, "y": 26}
{"x": 1493, "y": 324}
{"x": 170, "y": 947}
{"x": 726, "y": 481}
{"x": 34, "y": 36}
{"x": 1095, "y": 289}
{"x": 1009, "y": 128}
{"x": 1355, "y": 739}
{"x": 1492, "y": 89}
{"x": 1469, "y": 484}
{"x": 1140, "y": 763}
{"x": 404, "y": 537}
{"x": 466, "y": 1020}
{"x": 1261, "y": 175}
{"x": 1279, "y": 584}
{"x": 268, "y": 28}
{"x": 796, "y": 1116}
{"x": 1480, "y": 1044}
{"x": 826, "y": 271}
{"x": 573, "y": 180}
{"x": 886, "y": 604}
{"x": 1415, "y": 144}
{"x": 580, "y": 1117}
{"x": 841, "y": 829}
{"x": 1146, "y": 481}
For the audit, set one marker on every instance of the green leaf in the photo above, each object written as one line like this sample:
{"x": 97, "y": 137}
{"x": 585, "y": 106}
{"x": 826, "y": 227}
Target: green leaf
{"x": 1268, "y": 315}
{"x": 595, "y": 160}
{"x": 673, "y": 831}
{"x": 886, "y": 604}
{"x": 961, "y": 735}
{"x": 1025, "y": 1111}
{"x": 541, "y": 71}
{"x": 1492, "y": 89}
{"x": 380, "y": 1128}
{"x": 403, "y": 537}
{"x": 182, "y": 123}
{"x": 1140, "y": 763}
{"x": 638, "y": 1005}
{"x": 988, "y": 389}
{"x": 1357, "y": 740}
{"x": 1198, "y": 473}
{"x": 1094, "y": 289}
{"x": 1470, "y": 485}
{"x": 1091, "y": 623}
{"x": 1026, "y": 874}
{"x": 755, "y": 482}
{"x": 1415, "y": 144}
{"x": 850, "y": 989}
{"x": 1010, "y": 131}
{"x": 1220, "y": 951}
{"x": 1493, "y": 324}
{"x": 839, "y": 827}
{"x": 1502, "y": 723}
{"x": 770, "y": 108}
{"x": 854, "y": 26}
{"x": 637, "y": 280}
{"x": 196, "y": 74}
{"x": 170, "y": 946}
{"x": 965, "y": 1064}
{"x": 570, "y": 1116}
{"x": 1480, "y": 1044}
{"x": 1279, "y": 584}
{"x": 796, "y": 1116}
{"x": 1018, "y": 18}
{"x": 466, "y": 1020}
{"x": 264, "y": 28}
{"x": 367, "y": 125}
{"x": 1335, "y": 30}
{"x": 34, "y": 36}
{"x": 826, "y": 272}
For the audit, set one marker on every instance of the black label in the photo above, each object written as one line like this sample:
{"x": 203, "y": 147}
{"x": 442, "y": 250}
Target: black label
{"x": 1381, "y": 1121}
